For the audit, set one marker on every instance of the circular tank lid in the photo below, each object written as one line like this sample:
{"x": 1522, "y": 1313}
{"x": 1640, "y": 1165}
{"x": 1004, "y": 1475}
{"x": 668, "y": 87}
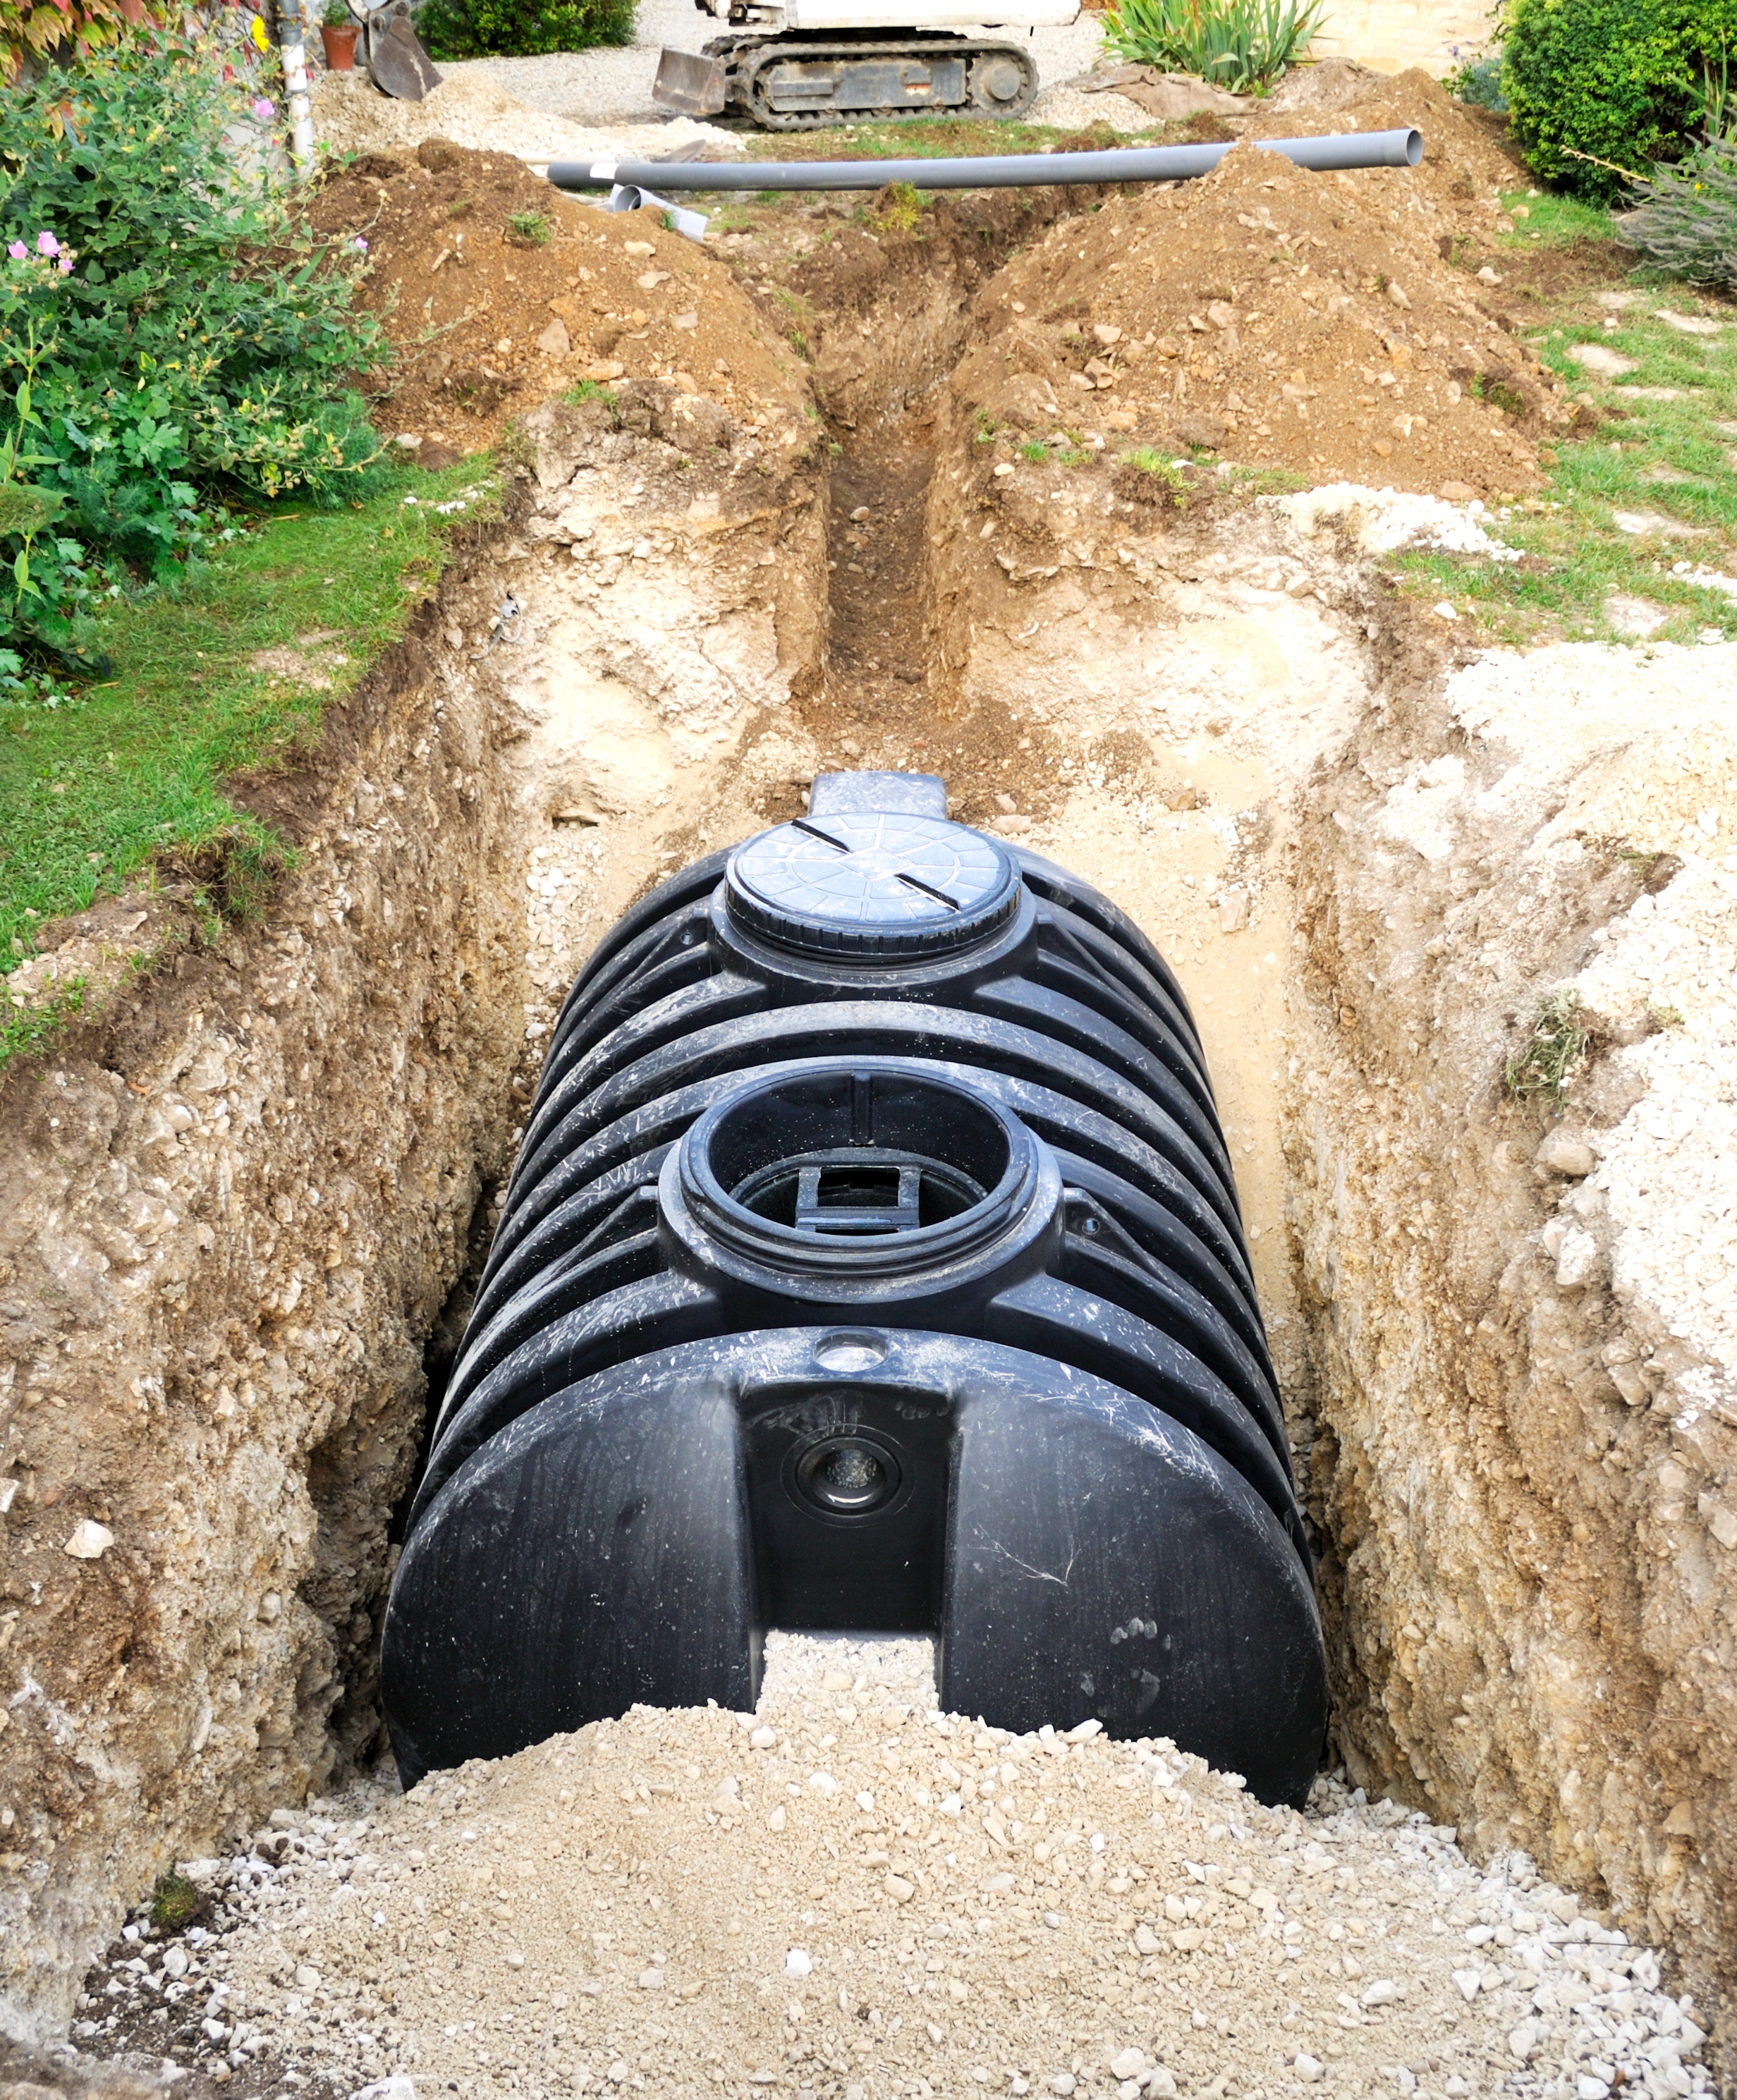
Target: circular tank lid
{"x": 874, "y": 884}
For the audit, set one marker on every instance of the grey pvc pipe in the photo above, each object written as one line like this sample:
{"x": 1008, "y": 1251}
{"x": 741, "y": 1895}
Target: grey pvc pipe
{"x": 1123, "y": 163}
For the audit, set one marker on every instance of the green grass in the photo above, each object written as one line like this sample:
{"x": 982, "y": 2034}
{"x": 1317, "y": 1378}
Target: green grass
{"x": 932, "y": 139}
{"x": 936, "y": 139}
{"x": 106, "y": 781}
{"x": 1165, "y": 474}
{"x": 1574, "y": 554}
{"x": 1553, "y": 1052}
{"x": 1252, "y": 480}
{"x": 1552, "y": 220}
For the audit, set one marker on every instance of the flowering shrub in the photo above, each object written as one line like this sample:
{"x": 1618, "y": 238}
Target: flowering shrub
{"x": 168, "y": 337}
{"x": 48, "y": 248}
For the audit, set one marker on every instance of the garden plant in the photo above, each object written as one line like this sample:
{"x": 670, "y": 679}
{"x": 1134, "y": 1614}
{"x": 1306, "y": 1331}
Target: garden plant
{"x": 171, "y": 341}
{"x": 1240, "y": 46}
{"x": 521, "y": 28}
{"x": 1599, "y": 90}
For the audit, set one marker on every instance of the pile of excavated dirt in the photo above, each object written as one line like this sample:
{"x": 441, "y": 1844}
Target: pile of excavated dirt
{"x": 850, "y": 1893}
{"x": 1288, "y": 319}
{"x": 1466, "y": 156}
{"x": 489, "y": 317}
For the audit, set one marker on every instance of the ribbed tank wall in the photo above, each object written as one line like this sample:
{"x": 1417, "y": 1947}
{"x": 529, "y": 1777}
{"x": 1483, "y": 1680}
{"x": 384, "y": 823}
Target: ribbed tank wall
{"x": 872, "y": 1233}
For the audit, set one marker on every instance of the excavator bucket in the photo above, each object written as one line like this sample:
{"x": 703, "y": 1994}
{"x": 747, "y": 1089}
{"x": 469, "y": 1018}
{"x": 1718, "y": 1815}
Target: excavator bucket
{"x": 690, "y": 83}
{"x": 397, "y": 62}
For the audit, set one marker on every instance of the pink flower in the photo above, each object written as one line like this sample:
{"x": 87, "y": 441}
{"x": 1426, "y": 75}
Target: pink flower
{"x": 66, "y": 266}
{"x": 46, "y": 245}
{"x": 18, "y": 251}
{"x": 264, "y": 110}
{"x": 359, "y": 244}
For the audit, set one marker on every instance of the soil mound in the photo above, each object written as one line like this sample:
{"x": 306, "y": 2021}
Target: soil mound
{"x": 851, "y": 1894}
{"x": 499, "y": 292}
{"x": 1289, "y": 320}
{"x": 1468, "y": 153}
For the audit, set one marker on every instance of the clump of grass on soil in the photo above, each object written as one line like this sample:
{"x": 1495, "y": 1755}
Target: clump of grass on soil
{"x": 1553, "y": 1053}
{"x": 175, "y": 1903}
{"x": 530, "y": 229}
{"x": 900, "y": 207}
{"x": 1153, "y": 479}
{"x": 111, "y": 779}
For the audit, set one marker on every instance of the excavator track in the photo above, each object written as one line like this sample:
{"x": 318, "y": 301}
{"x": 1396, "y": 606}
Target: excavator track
{"x": 802, "y": 83}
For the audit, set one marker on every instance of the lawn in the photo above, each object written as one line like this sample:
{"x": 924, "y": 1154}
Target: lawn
{"x": 96, "y": 786}
{"x": 1632, "y": 514}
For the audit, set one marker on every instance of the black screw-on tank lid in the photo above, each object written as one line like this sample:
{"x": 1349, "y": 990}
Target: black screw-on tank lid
{"x": 877, "y": 884}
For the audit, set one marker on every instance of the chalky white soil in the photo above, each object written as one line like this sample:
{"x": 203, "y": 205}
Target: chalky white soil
{"x": 851, "y": 1894}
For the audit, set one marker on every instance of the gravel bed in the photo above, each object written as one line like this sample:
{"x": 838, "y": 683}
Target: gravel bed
{"x": 1072, "y": 110}
{"x": 850, "y": 1893}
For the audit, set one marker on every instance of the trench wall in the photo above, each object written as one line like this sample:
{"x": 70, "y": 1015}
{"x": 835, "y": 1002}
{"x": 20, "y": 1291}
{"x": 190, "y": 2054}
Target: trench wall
{"x": 1524, "y": 1385}
{"x": 233, "y": 1211}
{"x": 1501, "y": 1322}
{"x": 241, "y": 1199}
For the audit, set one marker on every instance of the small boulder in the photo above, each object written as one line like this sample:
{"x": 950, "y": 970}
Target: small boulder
{"x": 1566, "y": 1153}
{"x": 1206, "y": 432}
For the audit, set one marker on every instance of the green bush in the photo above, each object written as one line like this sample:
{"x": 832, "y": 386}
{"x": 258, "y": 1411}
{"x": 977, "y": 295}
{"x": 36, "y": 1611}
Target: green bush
{"x": 1240, "y": 46}
{"x": 1599, "y": 90}
{"x": 34, "y": 32}
{"x": 521, "y": 29}
{"x": 168, "y": 337}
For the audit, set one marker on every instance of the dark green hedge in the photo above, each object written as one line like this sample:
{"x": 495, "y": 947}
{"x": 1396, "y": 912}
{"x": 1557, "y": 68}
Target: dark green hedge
{"x": 1618, "y": 80}
{"x": 521, "y": 29}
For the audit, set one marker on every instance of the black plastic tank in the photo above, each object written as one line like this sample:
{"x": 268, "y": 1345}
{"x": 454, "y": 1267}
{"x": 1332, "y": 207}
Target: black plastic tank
{"x": 872, "y": 1262}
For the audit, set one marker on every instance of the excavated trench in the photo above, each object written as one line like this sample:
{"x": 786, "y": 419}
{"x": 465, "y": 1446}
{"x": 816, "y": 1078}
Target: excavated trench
{"x": 253, "y": 1201}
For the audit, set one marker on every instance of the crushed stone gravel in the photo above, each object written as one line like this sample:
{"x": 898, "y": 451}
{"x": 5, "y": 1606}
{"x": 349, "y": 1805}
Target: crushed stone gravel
{"x": 1073, "y": 109}
{"x": 852, "y": 1893}
{"x": 472, "y": 109}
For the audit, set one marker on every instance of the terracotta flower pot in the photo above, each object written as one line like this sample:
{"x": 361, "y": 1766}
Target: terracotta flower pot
{"x": 341, "y": 46}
